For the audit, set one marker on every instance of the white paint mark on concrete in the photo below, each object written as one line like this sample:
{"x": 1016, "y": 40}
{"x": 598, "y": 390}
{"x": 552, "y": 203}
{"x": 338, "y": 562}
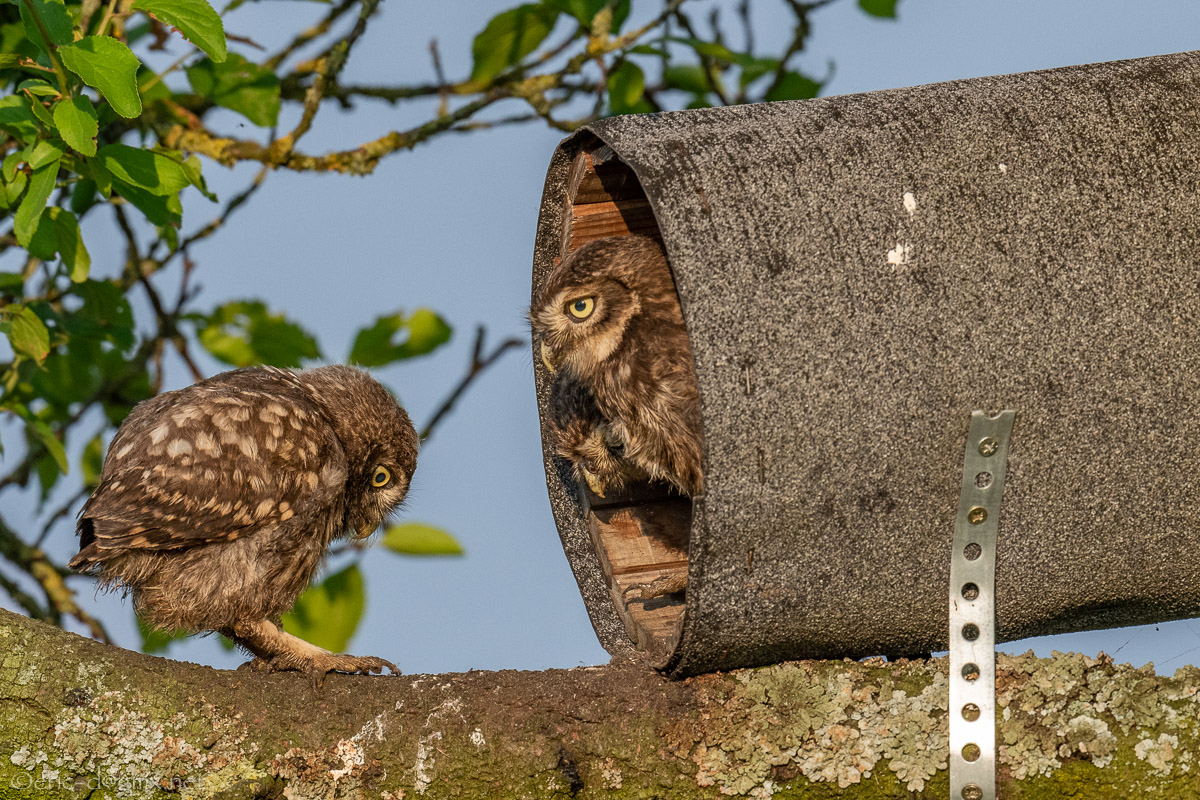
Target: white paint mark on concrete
{"x": 910, "y": 203}
{"x": 899, "y": 254}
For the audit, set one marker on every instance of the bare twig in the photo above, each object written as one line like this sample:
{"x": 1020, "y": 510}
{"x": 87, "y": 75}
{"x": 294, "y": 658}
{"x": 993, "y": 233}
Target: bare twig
{"x": 309, "y": 34}
{"x": 479, "y": 362}
{"x": 440, "y": 74}
{"x": 327, "y": 73}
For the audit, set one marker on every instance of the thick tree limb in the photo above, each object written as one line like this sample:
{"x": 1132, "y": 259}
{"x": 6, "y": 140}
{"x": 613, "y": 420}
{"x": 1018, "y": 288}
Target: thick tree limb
{"x": 76, "y": 715}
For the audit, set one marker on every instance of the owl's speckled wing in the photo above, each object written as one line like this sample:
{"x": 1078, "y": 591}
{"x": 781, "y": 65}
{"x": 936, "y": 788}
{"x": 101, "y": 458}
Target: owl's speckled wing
{"x": 212, "y": 462}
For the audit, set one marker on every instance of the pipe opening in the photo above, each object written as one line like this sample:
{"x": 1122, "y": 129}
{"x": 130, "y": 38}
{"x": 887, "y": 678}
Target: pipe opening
{"x": 640, "y": 533}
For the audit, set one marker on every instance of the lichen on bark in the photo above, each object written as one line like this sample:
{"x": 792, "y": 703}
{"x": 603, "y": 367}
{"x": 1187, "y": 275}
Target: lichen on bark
{"x": 77, "y": 717}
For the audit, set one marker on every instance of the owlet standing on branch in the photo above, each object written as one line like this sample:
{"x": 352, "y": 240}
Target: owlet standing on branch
{"x": 608, "y": 317}
{"x": 216, "y": 502}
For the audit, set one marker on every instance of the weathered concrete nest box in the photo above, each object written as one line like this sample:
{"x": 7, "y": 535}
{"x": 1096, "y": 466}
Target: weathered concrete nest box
{"x": 859, "y": 273}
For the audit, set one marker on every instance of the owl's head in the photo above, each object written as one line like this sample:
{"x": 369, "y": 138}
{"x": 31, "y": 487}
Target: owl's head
{"x": 377, "y": 436}
{"x": 588, "y": 304}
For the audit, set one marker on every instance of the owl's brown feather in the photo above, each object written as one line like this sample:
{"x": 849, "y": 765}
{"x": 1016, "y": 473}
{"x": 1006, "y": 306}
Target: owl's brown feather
{"x": 216, "y": 502}
{"x": 191, "y": 470}
{"x": 631, "y": 351}
{"x": 586, "y": 441}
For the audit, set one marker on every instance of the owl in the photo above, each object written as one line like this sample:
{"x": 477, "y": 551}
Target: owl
{"x": 584, "y": 439}
{"x": 216, "y": 502}
{"x": 608, "y": 318}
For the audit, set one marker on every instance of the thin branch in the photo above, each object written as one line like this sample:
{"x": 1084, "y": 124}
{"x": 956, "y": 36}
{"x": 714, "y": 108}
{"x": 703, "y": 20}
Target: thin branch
{"x": 61, "y": 512}
{"x": 442, "y": 83}
{"x": 362, "y": 160}
{"x": 711, "y": 72}
{"x": 477, "y": 365}
{"x": 309, "y": 34}
{"x": 327, "y": 73}
{"x": 60, "y": 73}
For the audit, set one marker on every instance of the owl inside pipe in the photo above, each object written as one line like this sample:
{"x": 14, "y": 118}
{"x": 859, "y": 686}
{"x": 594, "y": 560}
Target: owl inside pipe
{"x": 216, "y": 502}
{"x": 608, "y": 318}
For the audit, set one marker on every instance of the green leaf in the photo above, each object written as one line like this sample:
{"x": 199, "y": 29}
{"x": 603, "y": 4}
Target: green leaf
{"x": 27, "y": 333}
{"x": 244, "y": 332}
{"x": 44, "y": 242}
{"x": 755, "y": 68}
{"x": 43, "y": 153}
{"x": 328, "y": 613}
{"x": 105, "y": 314}
{"x": 510, "y": 36}
{"x": 192, "y": 168}
{"x": 164, "y": 211}
{"x": 425, "y": 331}
{"x": 155, "y": 640}
{"x": 41, "y": 184}
{"x": 195, "y": 19}
{"x": 416, "y": 539}
{"x": 70, "y": 247}
{"x": 688, "y": 77}
{"x": 879, "y": 8}
{"x": 76, "y": 121}
{"x": 17, "y": 118}
{"x": 38, "y": 87}
{"x": 793, "y": 86}
{"x": 43, "y": 115}
{"x": 108, "y": 66}
{"x": 92, "y": 461}
{"x": 9, "y": 60}
{"x": 54, "y": 16}
{"x": 144, "y": 169}
{"x": 714, "y": 50}
{"x": 625, "y": 87}
{"x": 239, "y": 85}
{"x": 585, "y": 11}
{"x": 83, "y": 195}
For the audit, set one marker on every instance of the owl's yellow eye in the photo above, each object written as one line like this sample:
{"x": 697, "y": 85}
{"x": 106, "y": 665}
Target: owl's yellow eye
{"x": 381, "y": 478}
{"x": 581, "y": 308}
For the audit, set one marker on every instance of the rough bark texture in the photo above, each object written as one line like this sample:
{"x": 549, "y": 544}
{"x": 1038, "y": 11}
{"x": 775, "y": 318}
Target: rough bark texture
{"x": 79, "y": 717}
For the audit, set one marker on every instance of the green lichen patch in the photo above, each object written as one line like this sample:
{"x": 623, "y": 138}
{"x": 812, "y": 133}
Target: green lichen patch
{"x": 118, "y": 745}
{"x": 835, "y": 723}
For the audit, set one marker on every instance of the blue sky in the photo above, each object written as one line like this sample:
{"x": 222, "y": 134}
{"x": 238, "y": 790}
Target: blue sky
{"x": 450, "y": 225}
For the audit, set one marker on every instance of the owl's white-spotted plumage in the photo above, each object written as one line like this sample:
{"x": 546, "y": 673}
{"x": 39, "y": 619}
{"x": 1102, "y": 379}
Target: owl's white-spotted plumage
{"x": 216, "y": 502}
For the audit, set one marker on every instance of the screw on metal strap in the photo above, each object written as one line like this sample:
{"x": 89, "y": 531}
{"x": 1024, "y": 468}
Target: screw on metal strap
{"x": 973, "y": 610}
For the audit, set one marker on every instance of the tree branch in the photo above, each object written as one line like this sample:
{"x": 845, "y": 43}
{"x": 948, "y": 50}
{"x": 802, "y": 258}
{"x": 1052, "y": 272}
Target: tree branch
{"x": 78, "y": 711}
{"x": 477, "y": 365}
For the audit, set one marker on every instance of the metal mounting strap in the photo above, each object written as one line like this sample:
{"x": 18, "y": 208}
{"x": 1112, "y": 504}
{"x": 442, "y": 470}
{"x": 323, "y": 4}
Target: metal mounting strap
{"x": 973, "y": 610}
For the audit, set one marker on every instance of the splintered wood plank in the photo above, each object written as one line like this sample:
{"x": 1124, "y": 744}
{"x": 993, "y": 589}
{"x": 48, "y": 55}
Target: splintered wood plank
{"x": 641, "y": 537}
{"x": 652, "y": 624}
{"x": 637, "y": 544}
{"x": 594, "y": 179}
{"x": 616, "y": 218}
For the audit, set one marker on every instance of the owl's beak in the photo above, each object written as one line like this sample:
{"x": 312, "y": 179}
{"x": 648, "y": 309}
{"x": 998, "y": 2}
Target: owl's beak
{"x": 548, "y": 358}
{"x": 594, "y": 483}
{"x": 365, "y": 530}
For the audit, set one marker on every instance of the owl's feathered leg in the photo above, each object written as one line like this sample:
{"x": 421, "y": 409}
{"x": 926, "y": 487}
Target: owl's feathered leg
{"x": 277, "y": 650}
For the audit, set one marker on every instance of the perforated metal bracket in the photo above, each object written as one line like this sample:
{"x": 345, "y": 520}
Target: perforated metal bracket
{"x": 973, "y": 610}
